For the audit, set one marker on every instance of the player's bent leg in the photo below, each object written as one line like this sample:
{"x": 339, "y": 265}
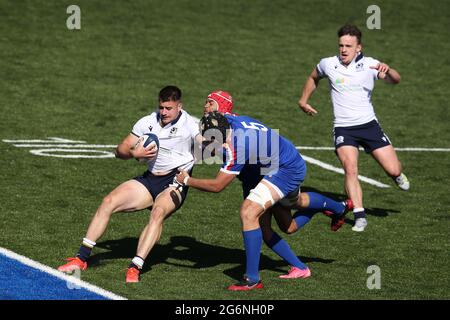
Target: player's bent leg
{"x": 129, "y": 196}
{"x": 262, "y": 197}
{"x": 282, "y": 248}
{"x": 165, "y": 204}
{"x": 284, "y": 219}
{"x": 252, "y": 234}
{"x": 348, "y": 155}
{"x": 387, "y": 158}
{"x": 265, "y": 222}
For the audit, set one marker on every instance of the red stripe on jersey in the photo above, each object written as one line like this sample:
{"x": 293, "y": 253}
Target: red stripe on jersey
{"x": 231, "y": 155}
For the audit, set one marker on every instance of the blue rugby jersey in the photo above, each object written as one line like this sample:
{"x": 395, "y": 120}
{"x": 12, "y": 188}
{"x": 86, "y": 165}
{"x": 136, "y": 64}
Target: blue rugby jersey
{"x": 253, "y": 143}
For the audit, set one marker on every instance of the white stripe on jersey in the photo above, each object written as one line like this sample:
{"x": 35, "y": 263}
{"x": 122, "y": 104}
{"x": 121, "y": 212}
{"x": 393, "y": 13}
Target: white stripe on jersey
{"x": 231, "y": 157}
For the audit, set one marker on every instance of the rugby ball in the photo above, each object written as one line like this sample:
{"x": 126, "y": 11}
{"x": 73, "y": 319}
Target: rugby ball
{"x": 148, "y": 141}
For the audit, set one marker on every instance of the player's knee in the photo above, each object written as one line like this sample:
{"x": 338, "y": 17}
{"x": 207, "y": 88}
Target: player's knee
{"x": 292, "y": 228}
{"x": 303, "y": 200}
{"x": 351, "y": 170}
{"x": 248, "y": 214}
{"x": 157, "y": 215}
{"x": 107, "y": 206}
{"x": 288, "y": 228}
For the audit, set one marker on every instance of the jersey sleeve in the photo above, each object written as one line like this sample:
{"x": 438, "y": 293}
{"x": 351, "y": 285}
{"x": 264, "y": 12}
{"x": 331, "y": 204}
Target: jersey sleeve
{"x": 140, "y": 126}
{"x": 322, "y": 68}
{"x": 231, "y": 164}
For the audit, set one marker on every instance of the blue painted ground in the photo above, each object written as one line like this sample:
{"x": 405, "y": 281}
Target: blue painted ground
{"x": 21, "y": 282}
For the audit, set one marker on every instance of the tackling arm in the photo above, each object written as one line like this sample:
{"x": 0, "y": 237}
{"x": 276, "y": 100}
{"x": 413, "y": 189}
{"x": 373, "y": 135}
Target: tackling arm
{"x": 221, "y": 181}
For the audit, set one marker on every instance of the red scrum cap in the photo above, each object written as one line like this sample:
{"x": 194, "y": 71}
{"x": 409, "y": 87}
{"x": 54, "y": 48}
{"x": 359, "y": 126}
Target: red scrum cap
{"x": 223, "y": 99}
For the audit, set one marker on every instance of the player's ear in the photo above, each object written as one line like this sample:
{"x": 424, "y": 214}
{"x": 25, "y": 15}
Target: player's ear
{"x": 359, "y": 48}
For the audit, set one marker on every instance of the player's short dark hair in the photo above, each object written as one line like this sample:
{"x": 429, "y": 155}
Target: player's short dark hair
{"x": 170, "y": 93}
{"x": 350, "y": 30}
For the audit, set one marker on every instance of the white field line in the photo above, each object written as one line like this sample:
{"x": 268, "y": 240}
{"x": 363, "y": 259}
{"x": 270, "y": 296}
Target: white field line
{"x": 108, "y": 146}
{"x": 50, "y": 140}
{"x": 397, "y": 149}
{"x": 424, "y": 149}
{"x": 48, "y": 153}
{"x": 75, "y": 281}
{"x": 341, "y": 171}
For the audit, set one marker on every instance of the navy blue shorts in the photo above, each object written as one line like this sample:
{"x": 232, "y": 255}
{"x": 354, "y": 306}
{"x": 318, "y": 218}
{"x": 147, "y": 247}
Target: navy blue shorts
{"x": 370, "y": 136}
{"x": 250, "y": 176}
{"x": 157, "y": 184}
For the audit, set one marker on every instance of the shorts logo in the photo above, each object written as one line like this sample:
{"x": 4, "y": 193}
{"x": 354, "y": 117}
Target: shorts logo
{"x": 339, "y": 140}
{"x": 384, "y": 139}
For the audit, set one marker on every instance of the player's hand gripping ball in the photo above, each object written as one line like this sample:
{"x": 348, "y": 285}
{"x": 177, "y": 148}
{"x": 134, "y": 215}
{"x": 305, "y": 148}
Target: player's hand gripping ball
{"x": 148, "y": 141}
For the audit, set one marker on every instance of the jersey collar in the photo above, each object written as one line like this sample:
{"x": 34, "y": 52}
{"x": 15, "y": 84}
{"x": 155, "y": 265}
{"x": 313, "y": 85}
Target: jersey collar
{"x": 357, "y": 58}
{"x": 158, "y": 117}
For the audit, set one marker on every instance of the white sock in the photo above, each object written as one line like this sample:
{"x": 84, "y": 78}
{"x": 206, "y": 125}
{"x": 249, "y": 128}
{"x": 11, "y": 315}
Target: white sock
{"x": 138, "y": 261}
{"x": 88, "y": 243}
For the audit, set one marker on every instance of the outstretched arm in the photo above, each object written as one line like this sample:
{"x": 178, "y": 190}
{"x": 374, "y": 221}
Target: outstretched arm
{"x": 386, "y": 73}
{"x": 311, "y": 84}
{"x": 221, "y": 181}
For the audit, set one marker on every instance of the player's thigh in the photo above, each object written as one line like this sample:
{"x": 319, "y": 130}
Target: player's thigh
{"x": 168, "y": 201}
{"x": 265, "y": 195}
{"x": 130, "y": 196}
{"x": 348, "y": 155}
{"x": 387, "y": 158}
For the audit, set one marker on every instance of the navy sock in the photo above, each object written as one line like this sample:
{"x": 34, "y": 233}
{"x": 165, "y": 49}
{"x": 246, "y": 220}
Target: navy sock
{"x": 281, "y": 248}
{"x": 84, "y": 253}
{"x": 320, "y": 203}
{"x": 359, "y": 214}
{"x": 252, "y": 244}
